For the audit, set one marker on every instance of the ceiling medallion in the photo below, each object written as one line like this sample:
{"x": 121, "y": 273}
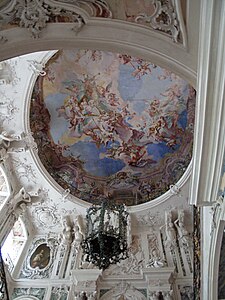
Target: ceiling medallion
{"x": 106, "y": 234}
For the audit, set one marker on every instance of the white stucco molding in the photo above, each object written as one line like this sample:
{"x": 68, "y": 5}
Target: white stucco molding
{"x": 209, "y": 138}
{"x": 81, "y": 275}
{"x": 103, "y": 34}
{"x": 79, "y": 12}
{"x": 211, "y": 247}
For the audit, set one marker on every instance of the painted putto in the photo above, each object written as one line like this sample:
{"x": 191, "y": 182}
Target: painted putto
{"x": 113, "y": 126}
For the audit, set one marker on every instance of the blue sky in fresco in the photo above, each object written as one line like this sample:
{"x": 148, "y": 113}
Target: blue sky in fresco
{"x": 138, "y": 92}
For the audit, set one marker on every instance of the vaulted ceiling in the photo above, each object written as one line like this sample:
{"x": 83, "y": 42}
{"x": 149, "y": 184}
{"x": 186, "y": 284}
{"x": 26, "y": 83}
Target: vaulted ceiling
{"x": 116, "y": 104}
{"x": 112, "y": 126}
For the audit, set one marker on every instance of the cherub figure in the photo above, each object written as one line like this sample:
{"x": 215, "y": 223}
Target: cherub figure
{"x": 6, "y": 139}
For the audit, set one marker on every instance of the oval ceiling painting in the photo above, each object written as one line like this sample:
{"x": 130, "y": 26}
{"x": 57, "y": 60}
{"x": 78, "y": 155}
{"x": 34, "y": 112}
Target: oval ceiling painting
{"x": 112, "y": 126}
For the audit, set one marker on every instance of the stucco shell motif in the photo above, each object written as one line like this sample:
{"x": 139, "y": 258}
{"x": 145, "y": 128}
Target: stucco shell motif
{"x": 112, "y": 126}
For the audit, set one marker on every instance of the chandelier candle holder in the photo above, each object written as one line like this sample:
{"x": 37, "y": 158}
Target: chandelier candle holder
{"x": 106, "y": 234}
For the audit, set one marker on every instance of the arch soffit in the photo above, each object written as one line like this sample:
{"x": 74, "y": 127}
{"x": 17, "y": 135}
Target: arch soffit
{"x": 103, "y": 34}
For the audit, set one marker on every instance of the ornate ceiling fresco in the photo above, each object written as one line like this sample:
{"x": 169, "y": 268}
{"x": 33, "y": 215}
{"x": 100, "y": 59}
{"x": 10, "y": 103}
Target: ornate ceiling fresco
{"x": 112, "y": 126}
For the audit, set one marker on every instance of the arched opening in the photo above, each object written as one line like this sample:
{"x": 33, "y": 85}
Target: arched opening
{"x": 14, "y": 244}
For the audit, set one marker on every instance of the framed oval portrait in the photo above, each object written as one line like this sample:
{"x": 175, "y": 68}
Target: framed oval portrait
{"x": 40, "y": 257}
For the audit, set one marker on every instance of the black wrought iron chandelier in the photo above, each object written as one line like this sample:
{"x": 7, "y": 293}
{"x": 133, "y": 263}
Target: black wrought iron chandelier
{"x": 106, "y": 234}
{"x": 3, "y": 284}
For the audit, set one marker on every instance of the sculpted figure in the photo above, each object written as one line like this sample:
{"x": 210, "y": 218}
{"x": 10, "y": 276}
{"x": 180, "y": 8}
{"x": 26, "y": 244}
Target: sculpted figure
{"x": 6, "y": 139}
{"x": 183, "y": 234}
{"x": 67, "y": 232}
{"x": 5, "y": 144}
{"x": 169, "y": 230}
{"x": 78, "y": 236}
{"x": 20, "y": 200}
{"x": 155, "y": 260}
{"x": 78, "y": 230}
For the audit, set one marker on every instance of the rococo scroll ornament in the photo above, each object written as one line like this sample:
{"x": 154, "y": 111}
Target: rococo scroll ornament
{"x": 164, "y": 19}
{"x": 34, "y": 15}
